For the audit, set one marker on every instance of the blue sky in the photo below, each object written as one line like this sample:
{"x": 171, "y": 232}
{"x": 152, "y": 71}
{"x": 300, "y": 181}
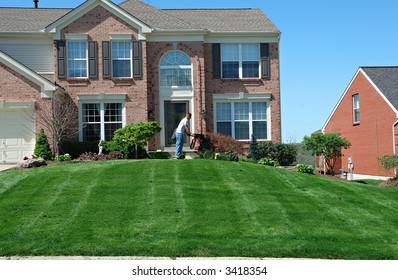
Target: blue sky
{"x": 322, "y": 45}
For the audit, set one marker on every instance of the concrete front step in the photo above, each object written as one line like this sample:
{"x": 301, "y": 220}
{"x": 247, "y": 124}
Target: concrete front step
{"x": 189, "y": 153}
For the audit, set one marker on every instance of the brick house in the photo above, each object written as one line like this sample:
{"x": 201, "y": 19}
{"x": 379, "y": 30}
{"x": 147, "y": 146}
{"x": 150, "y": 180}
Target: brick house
{"x": 367, "y": 115}
{"x": 134, "y": 62}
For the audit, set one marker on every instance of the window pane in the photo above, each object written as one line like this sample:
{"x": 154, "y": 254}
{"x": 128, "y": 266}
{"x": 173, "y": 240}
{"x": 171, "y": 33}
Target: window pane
{"x": 241, "y": 111}
{"x": 175, "y": 77}
{"x": 230, "y": 61}
{"x": 121, "y": 68}
{"x": 355, "y": 100}
{"x": 250, "y": 52}
{"x": 110, "y": 129}
{"x": 230, "y": 52}
{"x": 121, "y": 59}
{"x": 91, "y": 113}
{"x": 113, "y": 112}
{"x": 260, "y": 130}
{"x": 250, "y": 69}
{"x": 175, "y": 58}
{"x": 259, "y": 110}
{"x": 77, "y": 59}
{"x": 223, "y": 112}
{"x": 242, "y": 130}
{"x": 230, "y": 70}
{"x": 224, "y": 128}
{"x": 91, "y": 132}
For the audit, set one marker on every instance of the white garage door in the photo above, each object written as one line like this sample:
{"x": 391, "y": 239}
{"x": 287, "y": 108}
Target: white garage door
{"x": 17, "y": 135}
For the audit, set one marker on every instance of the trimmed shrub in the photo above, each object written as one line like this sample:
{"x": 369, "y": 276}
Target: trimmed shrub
{"x": 126, "y": 148}
{"x": 42, "y": 147}
{"x": 268, "y": 162}
{"x": 75, "y": 149}
{"x": 303, "y": 168}
{"x": 254, "y": 150}
{"x": 159, "y": 155}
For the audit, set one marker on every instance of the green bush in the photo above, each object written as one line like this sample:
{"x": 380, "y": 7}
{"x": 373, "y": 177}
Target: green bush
{"x": 285, "y": 154}
{"x": 42, "y": 147}
{"x": 75, "y": 149}
{"x": 159, "y": 155}
{"x": 128, "y": 149}
{"x": 65, "y": 157}
{"x": 268, "y": 161}
{"x": 254, "y": 150}
{"x": 303, "y": 168}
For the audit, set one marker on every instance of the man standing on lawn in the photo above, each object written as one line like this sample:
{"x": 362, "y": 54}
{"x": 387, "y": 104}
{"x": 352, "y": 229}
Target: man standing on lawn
{"x": 182, "y": 128}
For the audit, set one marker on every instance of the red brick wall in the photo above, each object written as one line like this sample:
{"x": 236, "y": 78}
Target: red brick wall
{"x": 251, "y": 86}
{"x": 371, "y": 138}
{"x": 16, "y": 88}
{"x": 98, "y": 24}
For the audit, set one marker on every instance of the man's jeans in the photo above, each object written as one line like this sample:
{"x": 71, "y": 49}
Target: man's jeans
{"x": 179, "y": 144}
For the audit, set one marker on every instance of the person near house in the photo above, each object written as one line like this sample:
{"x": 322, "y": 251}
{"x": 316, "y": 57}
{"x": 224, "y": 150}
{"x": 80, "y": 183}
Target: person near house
{"x": 183, "y": 128}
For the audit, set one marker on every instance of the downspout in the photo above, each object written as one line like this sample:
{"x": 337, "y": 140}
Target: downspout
{"x": 393, "y": 147}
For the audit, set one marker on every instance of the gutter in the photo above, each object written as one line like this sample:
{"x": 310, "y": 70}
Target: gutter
{"x": 393, "y": 147}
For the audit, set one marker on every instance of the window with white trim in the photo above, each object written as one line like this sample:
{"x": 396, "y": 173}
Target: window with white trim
{"x": 77, "y": 59}
{"x": 355, "y": 108}
{"x": 240, "y": 61}
{"x": 121, "y": 59}
{"x": 100, "y": 120}
{"x": 241, "y": 119}
{"x": 175, "y": 70}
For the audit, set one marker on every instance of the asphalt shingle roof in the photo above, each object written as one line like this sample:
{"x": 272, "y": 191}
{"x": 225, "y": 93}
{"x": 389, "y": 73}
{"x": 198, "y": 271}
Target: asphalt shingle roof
{"x": 386, "y": 79}
{"x": 28, "y": 19}
{"x": 222, "y": 20}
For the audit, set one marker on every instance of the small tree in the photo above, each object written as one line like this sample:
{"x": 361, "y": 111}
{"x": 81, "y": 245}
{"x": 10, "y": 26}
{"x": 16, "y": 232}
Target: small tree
{"x": 328, "y": 145}
{"x": 254, "y": 150}
{"x": 137, "y": 134}
{"x": 42, "y": 147}
{"x": 389, "y": 163}
{"x": 59, "y": 117}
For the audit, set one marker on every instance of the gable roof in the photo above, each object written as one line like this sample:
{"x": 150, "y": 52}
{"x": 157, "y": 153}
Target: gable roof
{"x": 143, "y": 14}
{"x": 385, "y": 81}
{"x": 87, "y": 6}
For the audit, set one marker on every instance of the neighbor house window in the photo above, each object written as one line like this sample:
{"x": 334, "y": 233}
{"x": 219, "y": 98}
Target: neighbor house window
{"x": 121, "y": 59}
{"x": 100, "y": 120}
{"x": 242, "y": 119}
{"x": 355, "y": 103}
{"x": 175, "y": 70}
{"x": 77, "y": 59}
{"x": 240, "y": 61}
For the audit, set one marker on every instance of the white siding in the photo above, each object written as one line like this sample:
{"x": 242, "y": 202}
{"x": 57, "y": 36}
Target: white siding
{"x": 37, "y": 54}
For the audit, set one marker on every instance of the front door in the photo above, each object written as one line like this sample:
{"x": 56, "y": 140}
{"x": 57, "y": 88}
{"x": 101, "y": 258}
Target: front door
{"x": 174, "y": 112}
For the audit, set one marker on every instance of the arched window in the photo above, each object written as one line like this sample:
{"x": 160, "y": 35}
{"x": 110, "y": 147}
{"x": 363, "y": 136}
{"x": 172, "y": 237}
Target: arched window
{"x": 175, "y": 70}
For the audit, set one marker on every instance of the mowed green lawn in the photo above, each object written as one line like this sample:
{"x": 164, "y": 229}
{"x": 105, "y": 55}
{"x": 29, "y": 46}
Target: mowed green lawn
{"x": 192, "y": 208}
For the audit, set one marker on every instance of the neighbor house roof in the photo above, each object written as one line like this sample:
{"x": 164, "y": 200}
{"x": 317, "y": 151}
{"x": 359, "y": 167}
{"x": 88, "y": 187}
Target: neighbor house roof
{"x": 386, "y": 80}
{"x": 215, "y": 20}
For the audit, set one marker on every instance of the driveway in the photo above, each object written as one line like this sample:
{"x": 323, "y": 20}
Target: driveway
{"x": 4, "y": 167}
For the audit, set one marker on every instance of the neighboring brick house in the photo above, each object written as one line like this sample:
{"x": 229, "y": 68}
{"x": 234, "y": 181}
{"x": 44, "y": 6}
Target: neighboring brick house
{"x": 133, "y": 62}
{"x": 367, "y": 115}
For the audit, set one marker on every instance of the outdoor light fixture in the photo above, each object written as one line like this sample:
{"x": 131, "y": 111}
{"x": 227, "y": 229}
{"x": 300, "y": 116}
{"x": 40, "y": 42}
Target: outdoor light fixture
{"x": 150, "y": 114}
{"x": 203, "y": 114}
